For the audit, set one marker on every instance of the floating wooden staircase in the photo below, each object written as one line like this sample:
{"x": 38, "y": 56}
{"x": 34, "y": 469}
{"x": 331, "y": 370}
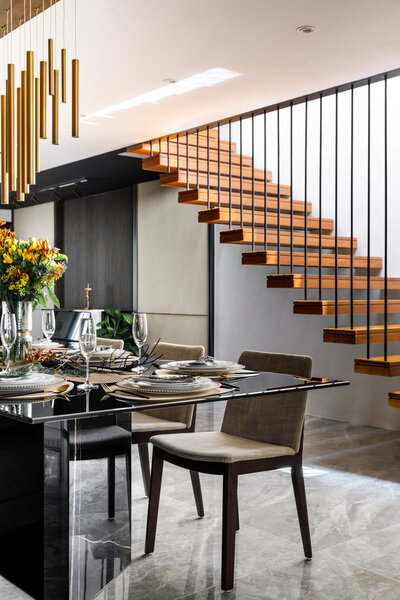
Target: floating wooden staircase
{"x": 230, "y": 191}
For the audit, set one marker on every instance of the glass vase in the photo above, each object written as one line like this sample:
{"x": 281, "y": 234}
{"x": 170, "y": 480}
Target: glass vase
{"x": 23, "y": 317}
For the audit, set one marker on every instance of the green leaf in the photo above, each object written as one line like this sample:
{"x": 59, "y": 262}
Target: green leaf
{"x": 128, "y": 318}
{"x": 111, "y": 311}
{"x": 42, "y": 299}
{"x": 53, "y": 297}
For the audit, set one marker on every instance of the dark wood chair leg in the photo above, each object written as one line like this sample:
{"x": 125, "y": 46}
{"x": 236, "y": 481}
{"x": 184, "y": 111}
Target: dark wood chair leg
{"x": 128, "y": 465}
{"x": 145, "y": 466}
{"x": 111, "y": 486}
{"x": 154, "y": 501}
{"x": 229, "y": 518}
{"x": 301, "y": 504}
{"x": 237, "y": 516}
{"x": 198, "y": 497}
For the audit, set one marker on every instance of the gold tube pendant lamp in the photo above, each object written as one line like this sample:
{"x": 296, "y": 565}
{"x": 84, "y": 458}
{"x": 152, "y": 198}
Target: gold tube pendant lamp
{"x": 37, "y": 124}
{"x": 20, "y": 195}
{"x": 4, "y": 175}
{"x": 10, "y": 104}
{"x": 43, "y": 99}
{"x": 63, "y": 75}
{"x": 24, "y": 176}
{"x": 75, "y": 97}
{"x": 55, "y": 109}
{"x": 50, "y": 60}
{"x": 30, "y": 117}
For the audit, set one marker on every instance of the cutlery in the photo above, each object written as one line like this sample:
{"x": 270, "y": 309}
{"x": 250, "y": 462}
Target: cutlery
{"x": 109, "y": 390}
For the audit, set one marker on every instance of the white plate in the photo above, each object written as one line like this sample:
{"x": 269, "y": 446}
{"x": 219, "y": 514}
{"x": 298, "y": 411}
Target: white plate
{"x": 189, "y": 367}
{"x": 44, "y": 344}
{"x": 34, "y": 381}
{"x": 203, "y": 385}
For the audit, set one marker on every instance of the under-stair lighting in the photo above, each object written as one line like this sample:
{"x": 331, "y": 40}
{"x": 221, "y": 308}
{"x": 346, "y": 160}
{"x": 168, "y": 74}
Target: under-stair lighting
{"x": 204, "y": 79}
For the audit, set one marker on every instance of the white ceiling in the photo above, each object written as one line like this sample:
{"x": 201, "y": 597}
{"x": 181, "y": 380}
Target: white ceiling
{"x": 128, "y": 47}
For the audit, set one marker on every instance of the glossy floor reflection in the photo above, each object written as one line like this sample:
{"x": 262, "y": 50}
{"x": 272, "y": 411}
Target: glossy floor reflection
{"x": 353, "y": 488}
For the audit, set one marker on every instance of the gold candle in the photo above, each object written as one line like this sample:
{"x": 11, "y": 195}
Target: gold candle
{"x": 4, "y": 176}
{"x": 75, "y": 97}
{"x": 24, "y": 180}
{"x": 30, "y": 121}
{"x": 10, "y": 106}
{"x": 43, "y": 99}
{"x": 50, "y": 47}
{"x": 63, "y": 75}
{"x": 20, "y": 195}
{"x": 55, "y": 112}
{"x": 37, "y": 124}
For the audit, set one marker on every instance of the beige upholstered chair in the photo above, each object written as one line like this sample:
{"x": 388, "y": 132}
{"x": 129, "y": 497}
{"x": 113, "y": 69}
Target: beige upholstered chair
{"x": 167, "y": 420}
{"x": 116, "y": 344}
{"x": 257, "y": 434}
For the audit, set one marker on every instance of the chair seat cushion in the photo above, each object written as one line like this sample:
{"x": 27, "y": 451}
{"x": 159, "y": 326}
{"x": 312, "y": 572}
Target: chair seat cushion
{"x": 142, "y": 422}
{"x": 99, "y": 442}
{"x": 216, "y": 446}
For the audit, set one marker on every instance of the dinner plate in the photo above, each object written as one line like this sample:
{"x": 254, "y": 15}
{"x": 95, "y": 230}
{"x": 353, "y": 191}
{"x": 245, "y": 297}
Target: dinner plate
{"x": 44, "y": 344}
{"x": 34, "y": 381}
{"x": 195, "y": 367}
{"x": 172, "y": 388}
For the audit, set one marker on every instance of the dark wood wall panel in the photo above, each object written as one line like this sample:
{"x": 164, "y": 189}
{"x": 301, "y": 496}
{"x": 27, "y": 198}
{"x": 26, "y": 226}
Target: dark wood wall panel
{"x": 98, "y": 237}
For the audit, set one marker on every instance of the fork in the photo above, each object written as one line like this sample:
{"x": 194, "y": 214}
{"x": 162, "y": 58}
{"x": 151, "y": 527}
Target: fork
{"x": 108, "y": 390}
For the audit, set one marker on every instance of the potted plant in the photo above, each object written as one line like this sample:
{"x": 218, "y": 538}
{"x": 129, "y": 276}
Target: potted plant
{"x": 118, "y": 325}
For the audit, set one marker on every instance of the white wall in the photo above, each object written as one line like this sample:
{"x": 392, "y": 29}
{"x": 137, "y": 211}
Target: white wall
{"x": 35, "y": 221}
{"x": 248, "y": 315}
{"x": 172, "y": 267}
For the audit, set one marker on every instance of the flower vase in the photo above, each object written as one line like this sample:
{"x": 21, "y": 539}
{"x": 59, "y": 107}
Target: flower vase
{"x": 23, "y": 317}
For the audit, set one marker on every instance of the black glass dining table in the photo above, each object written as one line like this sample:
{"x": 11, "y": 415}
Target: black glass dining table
{"x": 65, "y": 532}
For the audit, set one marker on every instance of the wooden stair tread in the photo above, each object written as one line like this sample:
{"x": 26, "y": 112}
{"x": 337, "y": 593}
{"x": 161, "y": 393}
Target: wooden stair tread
{"x": 377, "y": 365}
{"x": 160, "y": 163}
{"x": 296, "y": 280}
{"x": 394, "y": 400}
{"x": 244, "y": 235}
{"x": 178, "y": 179}
{"x": 145, "y": 149}
{"x": 358, "y": 334}
{"x": 327, "y": 307}
{"x": 270, "y": 257}
{"x": 224, "y": 155}
{"x": 199, "y": 197}
{"x": 221, "y": 215}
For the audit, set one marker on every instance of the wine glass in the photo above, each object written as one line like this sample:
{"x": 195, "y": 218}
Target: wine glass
{"x": 8, "y": 331}
{"x": 87, "y": 343}
{"x": 48, "y": 324}
{"x": 139, "y": 332}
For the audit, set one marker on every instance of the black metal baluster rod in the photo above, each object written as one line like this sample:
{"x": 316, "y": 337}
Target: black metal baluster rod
{"x": 305, "y": 197}
{"x": 177, "y": 152}
{"x": 208, "y": 166}
{"x": 187, "y": 160}
{"x": 151, "y": 147}
{"x": 369, "y": 221}
{"x": 241, "y": 171}
{"x": 253, "y": 230}
{"x": 265, "y": 181}
{"x": 230, "y": 173}
{"x": 352, "y": 207}
{"x": 278, "y": 145}
{"x": 385, "y": 340}
{"x": 219, "y": 164}
{"x": 291, "y": 187}
{"x": 320, "y": 201}
{"x": 169, "y": 169}
{"x": 159, "y": 145}
{"x": 336, "y": 208}
{"x": 197, "y": 158}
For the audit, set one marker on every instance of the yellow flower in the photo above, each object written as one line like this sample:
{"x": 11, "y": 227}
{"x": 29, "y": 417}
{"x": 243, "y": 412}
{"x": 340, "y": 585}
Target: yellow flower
{"x": 7, "y": 258}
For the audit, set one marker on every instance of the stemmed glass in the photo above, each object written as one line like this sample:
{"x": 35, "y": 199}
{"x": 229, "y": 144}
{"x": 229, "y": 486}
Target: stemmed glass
{"x": 139, "y": 332}
{"x": 8, "y": 331}
{"x": 48, "y": 324}
{"x": 87, "y": 343}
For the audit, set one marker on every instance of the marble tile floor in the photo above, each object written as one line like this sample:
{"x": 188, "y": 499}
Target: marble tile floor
{"x": 353, "y": 490}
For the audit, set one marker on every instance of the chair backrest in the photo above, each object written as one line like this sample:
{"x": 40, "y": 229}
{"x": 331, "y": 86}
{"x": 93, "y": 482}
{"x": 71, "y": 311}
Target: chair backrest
{"x": 278, "y": 418}
{"x": 116, "y": 344}
{"x": 166, "y": 351}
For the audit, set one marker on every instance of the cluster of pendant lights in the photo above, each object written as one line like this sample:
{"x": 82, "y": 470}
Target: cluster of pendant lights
{"x": 23, "y": 109}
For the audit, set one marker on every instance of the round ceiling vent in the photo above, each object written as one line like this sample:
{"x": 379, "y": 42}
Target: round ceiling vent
{"x": 306, "y": 29}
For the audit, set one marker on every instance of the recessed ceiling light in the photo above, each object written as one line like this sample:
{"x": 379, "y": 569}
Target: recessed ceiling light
{"x": 306, "y": 29}
{"x": 199, "y": 80}
{"x": 169, "y": 80}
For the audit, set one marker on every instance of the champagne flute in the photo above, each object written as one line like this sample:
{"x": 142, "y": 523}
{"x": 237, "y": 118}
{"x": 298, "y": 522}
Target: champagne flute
{"x": 87, "y": 343}
{"x": 139, "y": 332}
{"x": 8, "y": 331}
{"x": 48, "y": 324}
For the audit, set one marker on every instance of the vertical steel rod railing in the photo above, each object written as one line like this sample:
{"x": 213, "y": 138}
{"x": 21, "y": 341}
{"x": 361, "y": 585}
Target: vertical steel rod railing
{"x": 241, "y": 170}
{"x": 187, "y": 161}
{"x": 320, "y": 203}
{"x": 253, "y": 229}
{"x": 230, "y": 172}
{"x": 385, "y": 334}
{"x": 278, "y": 147}
{"x": 336, "y": 205}
{"x": 265, "y": 181}
{"x": 197, "y": 158}
{"x": 208, "y": 166}
{"x": 291, "y": 187}
{"x": 177, "y": 152}
{"x": 305, "y": 197}
{"x": 168, "y": 165}
{"x": 352, "y": 206}
{"x": 151, "y": 147}
{"x": 369, "y": 220}
{"x": 219, "y": 164}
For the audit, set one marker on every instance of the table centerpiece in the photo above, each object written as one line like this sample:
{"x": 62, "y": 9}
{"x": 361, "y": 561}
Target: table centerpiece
{"x": 28, "y": 271}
